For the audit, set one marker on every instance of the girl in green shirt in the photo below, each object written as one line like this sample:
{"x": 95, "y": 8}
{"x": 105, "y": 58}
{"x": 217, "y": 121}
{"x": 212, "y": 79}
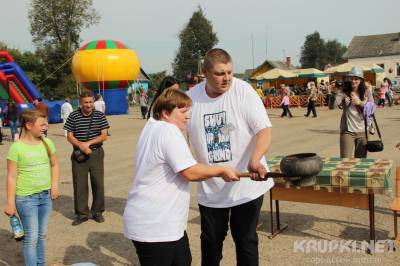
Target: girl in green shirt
{"x": 32, "y": 175}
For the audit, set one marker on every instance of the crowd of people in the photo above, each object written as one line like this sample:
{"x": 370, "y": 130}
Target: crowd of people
{"x": 382, "y": 94}
{"x": 229, "y": 132}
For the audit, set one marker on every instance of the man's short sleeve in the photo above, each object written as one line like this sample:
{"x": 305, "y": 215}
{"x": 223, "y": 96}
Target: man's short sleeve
{"x": 176, "y": 151}
{"x": 103, "y": 121}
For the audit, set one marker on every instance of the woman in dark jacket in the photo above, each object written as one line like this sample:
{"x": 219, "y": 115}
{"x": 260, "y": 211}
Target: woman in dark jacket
{"x": 166, "y": 83}
{"x": 13, "y": 119}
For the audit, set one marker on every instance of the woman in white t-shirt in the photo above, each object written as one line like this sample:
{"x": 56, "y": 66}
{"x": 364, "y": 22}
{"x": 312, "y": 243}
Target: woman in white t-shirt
{"x": 157, "y": 208}
{"x": 66, "y": 110}
{"x": 99, "y": 104}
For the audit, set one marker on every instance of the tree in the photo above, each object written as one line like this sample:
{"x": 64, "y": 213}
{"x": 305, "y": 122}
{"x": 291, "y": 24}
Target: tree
{"x": 56, "y": 26}
{"x": 312, "y": 51}
{"x": 334, "y": 51}
{"x": 196, "y": 38}
{"x": 317, "y": 53}
{"x": 58, "y": 23}
{"x": 55, "y": 78}
{"x": 156, "y": 78}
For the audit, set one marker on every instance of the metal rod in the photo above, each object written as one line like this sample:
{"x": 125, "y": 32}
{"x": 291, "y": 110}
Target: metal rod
{"x": 271, "y": 212}
{"x": 252, "y": 49}
{"x": 395, "y": 224}
{"x": 278, "y": 221}
{"x": 371, "y": 205}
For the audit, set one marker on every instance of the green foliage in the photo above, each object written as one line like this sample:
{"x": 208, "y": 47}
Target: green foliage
{"x": 334, "y": 51}
{"x": 55, "y": 26}
{"x": 60, "y": 22}
{"x": 316, "y": 52}
{"x": 196, "y": 38}
{"x": 54, "y": 80}
{"x": 156, "y": 78}
{"x": 312, "y": 51}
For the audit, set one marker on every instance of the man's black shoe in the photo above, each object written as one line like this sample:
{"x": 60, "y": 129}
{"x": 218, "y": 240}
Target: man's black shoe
{"x": 98, "y": 218}
{"x": 79, "y": 220}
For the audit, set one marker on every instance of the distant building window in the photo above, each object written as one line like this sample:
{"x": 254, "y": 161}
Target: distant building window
{"x": 398, "y": 69}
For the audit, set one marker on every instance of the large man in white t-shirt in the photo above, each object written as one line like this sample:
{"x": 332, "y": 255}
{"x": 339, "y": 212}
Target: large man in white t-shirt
{"x": 229, "y": 126}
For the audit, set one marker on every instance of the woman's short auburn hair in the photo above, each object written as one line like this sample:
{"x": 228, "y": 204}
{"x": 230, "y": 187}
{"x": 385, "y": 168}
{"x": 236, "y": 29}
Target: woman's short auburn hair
{"x": 169, "y": 100}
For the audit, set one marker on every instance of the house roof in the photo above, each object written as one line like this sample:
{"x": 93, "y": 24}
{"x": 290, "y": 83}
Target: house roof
{"x": 143, "y": 76}
{"x": 268, "y": 64}
{"x": 373, "y": 46}
{"x": 276, "y": 73}
{"x": 309, "y": 73}
{"x": 280, "y": 65}
{"x": 246, "y": 75}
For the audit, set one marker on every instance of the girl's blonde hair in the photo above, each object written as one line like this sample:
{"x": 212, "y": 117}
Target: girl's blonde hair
{"x": 169, "y": 100}
{"x": 30, "y": 116}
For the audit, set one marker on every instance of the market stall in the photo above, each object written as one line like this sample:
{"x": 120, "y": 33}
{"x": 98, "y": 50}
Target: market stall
{"x": 342, "y": 182}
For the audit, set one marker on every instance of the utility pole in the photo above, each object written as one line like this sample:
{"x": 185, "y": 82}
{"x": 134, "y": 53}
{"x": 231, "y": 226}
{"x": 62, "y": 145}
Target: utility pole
{"x": 266, "y": 43}
{"x": 252, "y": 49}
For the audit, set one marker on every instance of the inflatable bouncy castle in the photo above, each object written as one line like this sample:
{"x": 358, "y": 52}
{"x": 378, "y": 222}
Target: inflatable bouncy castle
{"x": 20, "y": 89}
{"x": 16, "y": 86}
{"x": 107, "y": 67}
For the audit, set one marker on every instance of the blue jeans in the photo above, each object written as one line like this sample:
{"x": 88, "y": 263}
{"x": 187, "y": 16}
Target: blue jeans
{"x": 13, "y": 128}
{"x": 34, "y": 211}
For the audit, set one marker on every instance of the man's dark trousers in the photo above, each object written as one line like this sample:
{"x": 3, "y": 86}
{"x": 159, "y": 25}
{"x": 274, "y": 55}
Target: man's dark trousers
{"x": 95, "y": 166}
{"x": 243, "y": 224}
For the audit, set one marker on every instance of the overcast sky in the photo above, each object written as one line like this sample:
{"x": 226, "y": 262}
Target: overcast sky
{"x": 277, "y": 28}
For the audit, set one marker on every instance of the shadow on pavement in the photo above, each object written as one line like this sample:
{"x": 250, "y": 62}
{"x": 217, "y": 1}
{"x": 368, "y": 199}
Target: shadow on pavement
{"x": 65, "y": 205}
{"x": 11, "y": 250}
{"x": 105, "y": 248}
{"x": 325, "y": 131}
{"x": 302, "y": 225}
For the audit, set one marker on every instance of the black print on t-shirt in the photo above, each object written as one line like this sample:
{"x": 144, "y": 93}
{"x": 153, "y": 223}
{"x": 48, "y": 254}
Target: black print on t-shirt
{"x": 217, "y": 138}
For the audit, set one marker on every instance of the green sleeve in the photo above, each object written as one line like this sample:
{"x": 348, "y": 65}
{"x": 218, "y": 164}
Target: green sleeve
{"x": 13, "y": 152}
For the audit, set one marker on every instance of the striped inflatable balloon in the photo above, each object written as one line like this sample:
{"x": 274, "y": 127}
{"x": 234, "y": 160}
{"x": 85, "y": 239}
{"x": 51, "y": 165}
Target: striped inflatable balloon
{"x": 105, "y": 64}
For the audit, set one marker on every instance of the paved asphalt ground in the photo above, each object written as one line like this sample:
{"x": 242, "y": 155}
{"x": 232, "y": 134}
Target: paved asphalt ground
{"x": 105, "y": 244}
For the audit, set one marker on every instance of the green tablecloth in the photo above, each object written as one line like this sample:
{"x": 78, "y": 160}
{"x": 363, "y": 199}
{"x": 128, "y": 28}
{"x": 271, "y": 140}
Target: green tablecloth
{"x": 350, "y": 175}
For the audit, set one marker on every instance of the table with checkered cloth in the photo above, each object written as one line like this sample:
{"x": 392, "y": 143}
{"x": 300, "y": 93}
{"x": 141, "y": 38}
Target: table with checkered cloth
{"x": 349, "y": 175}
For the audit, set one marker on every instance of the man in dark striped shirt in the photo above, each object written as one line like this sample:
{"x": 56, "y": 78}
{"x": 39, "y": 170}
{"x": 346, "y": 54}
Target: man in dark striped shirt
{"x": 87, "y": 130}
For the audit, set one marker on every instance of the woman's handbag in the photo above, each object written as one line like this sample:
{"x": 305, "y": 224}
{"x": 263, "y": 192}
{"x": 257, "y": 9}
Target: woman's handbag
{"x": 373, "y": 145}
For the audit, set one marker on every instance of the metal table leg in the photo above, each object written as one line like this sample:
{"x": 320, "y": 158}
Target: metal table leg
{"x": 279, "y": 228}
{"x": 371, "y": 208}
{"x": 271, "y": 212}
{"x": 395, "y": 224}
{"x": 371, "y": 203}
